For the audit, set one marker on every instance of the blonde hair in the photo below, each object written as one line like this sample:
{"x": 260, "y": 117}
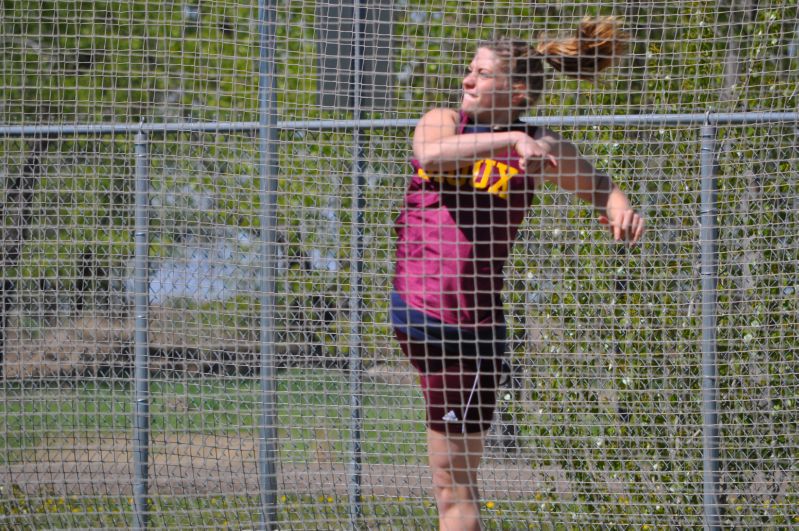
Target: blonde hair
{"x": 597, "y": 44}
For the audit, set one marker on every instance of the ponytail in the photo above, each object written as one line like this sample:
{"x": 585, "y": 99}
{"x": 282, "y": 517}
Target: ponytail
{"x": 596, "y": 46}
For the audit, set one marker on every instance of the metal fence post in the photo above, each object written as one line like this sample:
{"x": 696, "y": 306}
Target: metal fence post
{"x": 269, "y": 166}
{"x": 354, "y": 469}
{"x": 708, "y": 237}
{"x": 141, "y": 348}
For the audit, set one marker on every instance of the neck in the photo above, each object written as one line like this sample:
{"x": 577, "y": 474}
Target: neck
{"x": 498, "y": 120}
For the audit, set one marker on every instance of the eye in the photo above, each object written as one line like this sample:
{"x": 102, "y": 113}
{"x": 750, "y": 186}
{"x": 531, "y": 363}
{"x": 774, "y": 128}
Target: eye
{"x": 481, "y": 74}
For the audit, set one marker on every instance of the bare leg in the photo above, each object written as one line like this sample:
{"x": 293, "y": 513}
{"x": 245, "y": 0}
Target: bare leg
{"x": 454, "y": 460}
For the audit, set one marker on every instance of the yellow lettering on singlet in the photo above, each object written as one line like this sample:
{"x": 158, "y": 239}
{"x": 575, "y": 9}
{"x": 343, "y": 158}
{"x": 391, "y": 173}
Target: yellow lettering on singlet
{"x": 452, "y": 180}
{"x": 500, "y": 187}
{"x": 480, "y": 179}
{"x": 481, "y": 176}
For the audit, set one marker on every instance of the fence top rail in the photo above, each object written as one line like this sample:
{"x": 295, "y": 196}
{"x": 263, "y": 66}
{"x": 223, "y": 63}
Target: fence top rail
{"x": 709, "y": 118}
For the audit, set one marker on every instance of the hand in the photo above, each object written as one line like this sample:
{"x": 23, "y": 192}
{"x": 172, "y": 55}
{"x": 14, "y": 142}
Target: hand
{"x": 530, "y": 149}
{"x": 623, "y": 222}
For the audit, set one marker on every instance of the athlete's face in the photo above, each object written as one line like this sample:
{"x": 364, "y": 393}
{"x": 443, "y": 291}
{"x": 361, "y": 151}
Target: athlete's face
{"x": 488, "y": 95}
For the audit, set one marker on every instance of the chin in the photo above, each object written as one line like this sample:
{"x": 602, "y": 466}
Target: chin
{"x": 470, "y": 110}
{"x": 476, "y": 117}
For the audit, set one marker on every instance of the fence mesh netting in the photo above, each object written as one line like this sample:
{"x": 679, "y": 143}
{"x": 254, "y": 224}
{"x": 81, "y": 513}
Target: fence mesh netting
{"x": 601, "y": 421}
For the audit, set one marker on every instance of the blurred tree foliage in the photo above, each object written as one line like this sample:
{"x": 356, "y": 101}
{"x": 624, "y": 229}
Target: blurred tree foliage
{"x": 610, "y": 337}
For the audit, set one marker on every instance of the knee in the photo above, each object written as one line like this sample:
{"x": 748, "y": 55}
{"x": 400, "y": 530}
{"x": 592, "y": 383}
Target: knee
{"x": 453, "y": 487}
{"x": 442, "y": 482}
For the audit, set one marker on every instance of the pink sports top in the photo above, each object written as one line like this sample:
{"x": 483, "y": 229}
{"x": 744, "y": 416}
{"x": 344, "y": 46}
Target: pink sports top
{"x": 455, "y": 232}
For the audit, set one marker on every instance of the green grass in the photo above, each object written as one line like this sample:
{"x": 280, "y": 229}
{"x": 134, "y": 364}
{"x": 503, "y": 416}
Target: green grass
{"x": 313, "y": 416}
{"x": 331, "y": 512}
{"x": 212, "y": 512}
{"x": 311, "y": 405}
{"x": 36, "y": 420}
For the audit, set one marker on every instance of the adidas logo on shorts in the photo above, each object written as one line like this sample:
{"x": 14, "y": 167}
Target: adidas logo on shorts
{"x": 450, "y": 417}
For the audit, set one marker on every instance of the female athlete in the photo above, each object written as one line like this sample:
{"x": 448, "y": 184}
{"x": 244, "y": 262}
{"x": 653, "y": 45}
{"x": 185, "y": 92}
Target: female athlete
{"x": 475, "y": 172}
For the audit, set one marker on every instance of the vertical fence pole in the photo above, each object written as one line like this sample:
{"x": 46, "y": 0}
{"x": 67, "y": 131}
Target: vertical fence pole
{"x": 269, "y": 163}
{"x": 710, "y": 395}
{"x": 268, "y": 136}
{"x": 356, "y": 281}
{"x": 141, "y": 348}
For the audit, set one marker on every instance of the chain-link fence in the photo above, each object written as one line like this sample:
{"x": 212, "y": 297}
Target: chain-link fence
{"x": 197, "y": 255}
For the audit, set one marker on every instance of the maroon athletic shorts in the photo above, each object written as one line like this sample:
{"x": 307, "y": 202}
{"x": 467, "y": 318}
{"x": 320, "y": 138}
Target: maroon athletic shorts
{"x": 460, "y": 392}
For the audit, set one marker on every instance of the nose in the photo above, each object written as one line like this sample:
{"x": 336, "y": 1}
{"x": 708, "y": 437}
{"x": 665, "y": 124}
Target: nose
{"x": 468, "y": 81}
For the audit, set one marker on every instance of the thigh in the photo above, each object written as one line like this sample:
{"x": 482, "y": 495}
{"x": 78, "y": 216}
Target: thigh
{"x": 425, "y": 356}
{"x": 462, "y": 397}
{"x": 460, "y": 391}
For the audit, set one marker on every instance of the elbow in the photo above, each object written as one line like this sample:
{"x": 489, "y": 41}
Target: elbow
{"x": 434, "y": 163}
{"x": 432, "y": 166}
{"x": 427, "y": 160}
{"x": 422, "y": 161}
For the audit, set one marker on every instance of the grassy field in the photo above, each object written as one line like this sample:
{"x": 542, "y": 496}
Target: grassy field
{"x": 312, "y": 405}
{"x": 313, "y": 414}
{"x": 37, "y": 421}
{"x": 240, "y": 512}
{"x": 204, "y": 462}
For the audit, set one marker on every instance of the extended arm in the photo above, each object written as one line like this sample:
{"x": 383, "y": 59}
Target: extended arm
{"x": 577, "y": 175}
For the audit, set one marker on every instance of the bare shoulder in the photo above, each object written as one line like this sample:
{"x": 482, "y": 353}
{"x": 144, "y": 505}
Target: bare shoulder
{"x": 434, "y": 125}
{"x": 439, "y": 117}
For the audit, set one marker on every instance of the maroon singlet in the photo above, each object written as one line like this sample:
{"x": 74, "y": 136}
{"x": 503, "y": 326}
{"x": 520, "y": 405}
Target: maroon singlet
{"x": 455, "y": 232}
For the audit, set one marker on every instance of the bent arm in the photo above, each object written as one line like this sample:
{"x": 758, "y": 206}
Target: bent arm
{"x": 438, "y": 148}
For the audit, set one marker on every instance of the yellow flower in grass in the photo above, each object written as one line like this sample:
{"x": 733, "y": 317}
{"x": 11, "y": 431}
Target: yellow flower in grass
{"x": 489, "y": 505}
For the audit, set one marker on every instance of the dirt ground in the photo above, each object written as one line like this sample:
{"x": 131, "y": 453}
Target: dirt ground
{"x": 219, "y": 465}
{"x": 203, "y": 464}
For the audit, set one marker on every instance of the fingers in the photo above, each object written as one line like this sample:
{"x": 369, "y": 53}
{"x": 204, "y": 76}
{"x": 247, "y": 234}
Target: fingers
{"x": 629, "y": 226}
{"x": 533, "y": 150}
{"x": 536, "y": 154}
{"x": 638, "y": 230}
